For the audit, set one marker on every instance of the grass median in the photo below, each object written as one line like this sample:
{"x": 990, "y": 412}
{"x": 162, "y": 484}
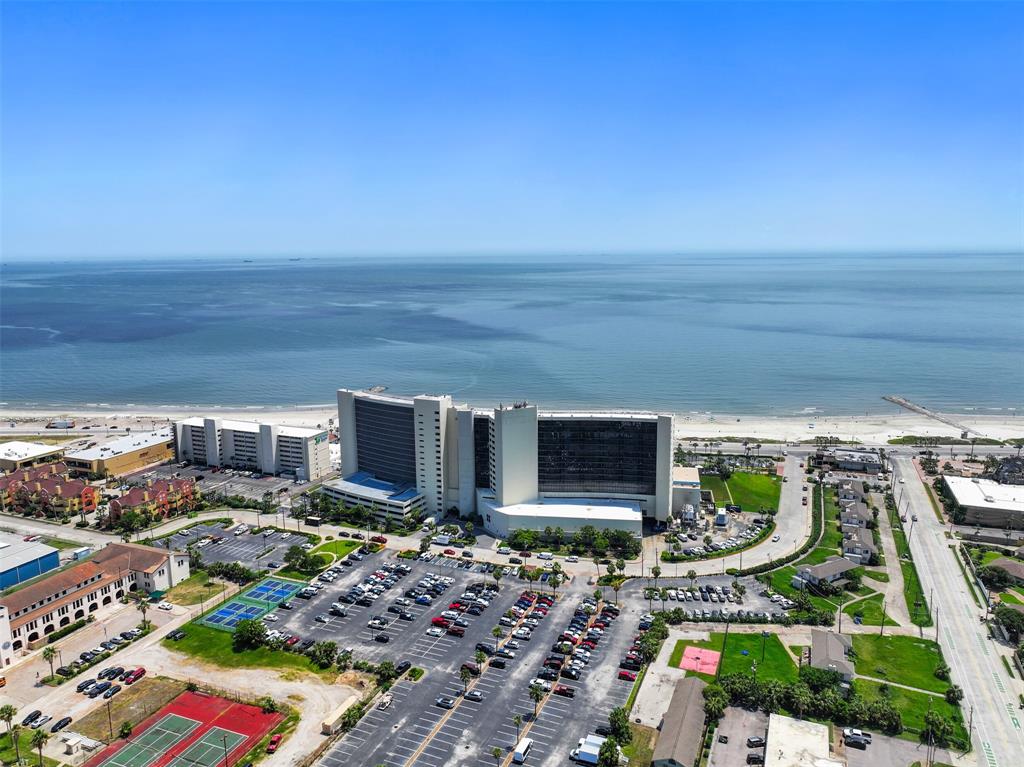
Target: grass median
{"x": 214, "y": 646}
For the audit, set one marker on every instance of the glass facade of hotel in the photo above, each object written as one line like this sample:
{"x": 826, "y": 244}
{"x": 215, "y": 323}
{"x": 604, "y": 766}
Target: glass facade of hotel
{"x": 597, "y": 456}
{"x": 386, "y": 440}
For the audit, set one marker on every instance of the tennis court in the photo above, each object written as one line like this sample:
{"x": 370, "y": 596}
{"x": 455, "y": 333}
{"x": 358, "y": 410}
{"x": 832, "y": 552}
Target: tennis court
{"x": 253, "y": 604}
{"x": 193, "y": 730}
{"x": 152, "y": 744}
{"x": 273, "y": 590}
{"x": 209, "y": 750}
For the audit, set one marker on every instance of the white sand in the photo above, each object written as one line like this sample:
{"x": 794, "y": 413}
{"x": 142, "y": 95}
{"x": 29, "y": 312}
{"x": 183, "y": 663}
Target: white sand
{"x": 870, "y": 429}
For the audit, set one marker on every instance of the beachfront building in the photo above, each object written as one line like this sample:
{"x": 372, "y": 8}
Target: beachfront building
{"x": 47, "y": 490}
{"x": 123, "y": 455}
{"x": 30, "y": 614}
{"x": 252, "y": 446}
{"x": 686, "y": 494}
{"x": 987, "y": 503}
{"x": 848, "y": 459}
{"x": 21, "y": 560}
{"x": 514, "y": 465}
{"x": 17, "y": 455}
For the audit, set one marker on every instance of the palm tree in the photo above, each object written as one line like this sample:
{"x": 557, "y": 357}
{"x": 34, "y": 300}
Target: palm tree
{"x": 480, "y": 656}
{"x": 465, "y": 675}
{"x": 692, "y": 575}
{"x": 536, "y": 695}
{"x": 517, "y": 720}
{"x": 143, "y": 607}
{"x": 7, "y": 714}
{"x": 497, "y": 633}
{"x": 16, "y": 737}
{"x": 656, "y": 573}
{"x": 39, "y": 738}
{"x": 616, "y": 585}
{"x": 497, "y": 575}
{"x": 497, "y": 753}
{"x": 49, "y": 653}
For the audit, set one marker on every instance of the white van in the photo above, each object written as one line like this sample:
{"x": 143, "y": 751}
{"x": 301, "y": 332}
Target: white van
{"x": 545, "y": 555}
{"x": 522, "y": 750}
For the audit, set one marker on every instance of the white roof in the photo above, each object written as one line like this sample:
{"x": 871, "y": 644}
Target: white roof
{"x": 594, "y": 509}
{"x": 606, "y": 416}
{"x": 797, "y": 743}
{"x": 986, "y": 493}
{"x": 122, "y": 445}
{"x": 253, "y": 427}
{"x": 689, "y": 475}
{"x": 16, "y": 450}
{"x": 15, "y": 551}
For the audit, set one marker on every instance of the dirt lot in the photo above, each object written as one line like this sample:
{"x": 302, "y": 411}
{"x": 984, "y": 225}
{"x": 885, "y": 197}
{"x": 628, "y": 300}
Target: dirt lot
{"x": 133, "y": 705}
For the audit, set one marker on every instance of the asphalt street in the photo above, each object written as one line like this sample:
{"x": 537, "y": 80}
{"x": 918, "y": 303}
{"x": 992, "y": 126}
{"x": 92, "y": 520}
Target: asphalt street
{"x": 973, "y": 658}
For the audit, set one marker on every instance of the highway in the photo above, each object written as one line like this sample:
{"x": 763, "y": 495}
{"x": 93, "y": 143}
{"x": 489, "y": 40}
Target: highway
{"x": 997, "y": 734}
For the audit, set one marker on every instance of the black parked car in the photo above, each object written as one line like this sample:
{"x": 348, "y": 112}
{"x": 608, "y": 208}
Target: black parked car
{"x": 402, "y": 667}
{"x": 31, "y": 718}
{"x": 61, "y": 724}
{"x": 382, "y": 638}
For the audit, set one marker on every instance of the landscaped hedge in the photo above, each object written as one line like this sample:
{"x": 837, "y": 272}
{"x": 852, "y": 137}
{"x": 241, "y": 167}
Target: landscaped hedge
{"x": 61, "y": 633}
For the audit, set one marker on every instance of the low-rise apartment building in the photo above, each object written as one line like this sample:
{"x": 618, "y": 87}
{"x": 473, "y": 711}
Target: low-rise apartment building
{"x": 48, "y": 491}
{"x": 160, "y": 498}
{"x": 32, "y": 613}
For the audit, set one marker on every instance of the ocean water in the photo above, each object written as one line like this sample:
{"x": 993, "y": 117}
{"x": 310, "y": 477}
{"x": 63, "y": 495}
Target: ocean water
{"x": 751, "y": 334}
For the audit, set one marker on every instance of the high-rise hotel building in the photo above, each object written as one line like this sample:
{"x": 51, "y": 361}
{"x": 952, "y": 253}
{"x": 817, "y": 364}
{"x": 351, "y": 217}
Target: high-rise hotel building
{"x": 516, "y": 466}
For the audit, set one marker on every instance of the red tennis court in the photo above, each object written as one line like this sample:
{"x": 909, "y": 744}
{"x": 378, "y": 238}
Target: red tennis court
{"x": 193, "y": 730}
{"x": 700, "y": 660}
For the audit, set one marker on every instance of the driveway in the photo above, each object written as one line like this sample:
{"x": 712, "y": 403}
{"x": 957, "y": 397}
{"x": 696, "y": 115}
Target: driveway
{"x": 886, "y": 751}
{"x": 737, "y": 725}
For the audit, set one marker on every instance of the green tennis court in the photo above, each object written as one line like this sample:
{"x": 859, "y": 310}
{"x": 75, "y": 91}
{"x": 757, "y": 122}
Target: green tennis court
{"x": 152, "y": 744}
{"x": 209, "y": 750}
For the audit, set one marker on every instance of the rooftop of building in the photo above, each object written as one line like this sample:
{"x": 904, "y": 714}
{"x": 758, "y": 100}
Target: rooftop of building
{"x": 828, "y": 651}
{"x": 366, "y": 485}
{"x": 828, "y": 568}
{"x": 1013, "y": 566}
{"x": 126, "y": 444}
{"x": 797, "y": 743}
{"x": 253, "y": 427}
{"x": 593, "y": 509}
{"x": 15, "y": 551}
{"x": 16, "y": 450}
{"x": 687, "y": 475}
{"x": 683, "y": 726}
{"x": 986, "y": 493}
{"x": 862, "y": 537}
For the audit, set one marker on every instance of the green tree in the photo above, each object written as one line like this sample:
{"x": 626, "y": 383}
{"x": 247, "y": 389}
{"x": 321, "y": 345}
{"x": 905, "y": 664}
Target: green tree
{"x": 49, "y": 653}
{"x": 954, "y": 695}
{"x": 386, "y": 671}
{"x": 16, "y": 737}
{"x": 716, "y": 700}
{"x": 616, "y": 585}
{"x": 267, "y": 704}
{"x": 39, "y": 738}
{"x": 465, "y": 675}
{"x": 497, "y": 753}
{"x": 937, "y": 729}
{"x": 656, "y": 573}
{"x": 7, "y": 714}
{"x": 692, "y": 575}
{"x": 249, "y": 634}
{"x": 480, "y": 656}
{"x": 142, "y": 605}
{"x": 608, "y": 755}
{"x": 799, "y": 696}
{"x": 125, "y": 730}
{"x": 517, "y": 720}
{"x": 618, "y": 723}
{"x": 498, "y": 574}
{"x": 497, "y": 633}
{"x": 323, "y": 654}
{"x": 425, "y": 544}
{"x": 1012, "y": 621}
{"x": 536, "y": 695}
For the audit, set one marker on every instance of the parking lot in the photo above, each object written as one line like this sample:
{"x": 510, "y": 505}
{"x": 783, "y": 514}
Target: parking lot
{"x": 751, "y": 601}
{"x": 265, "y": 547}
{"x": 415, "y": 729}
{"x": 223, "y": 481}
{"x": 729, "y": 748}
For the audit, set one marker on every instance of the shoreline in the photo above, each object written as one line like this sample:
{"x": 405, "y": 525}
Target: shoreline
{"x": 869, "y": 428}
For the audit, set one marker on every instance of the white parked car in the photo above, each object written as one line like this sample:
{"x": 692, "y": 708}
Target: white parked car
{"x": 435, "y": 631}
{"x": 270, "y": 617}
{"x": 164, "y": 606}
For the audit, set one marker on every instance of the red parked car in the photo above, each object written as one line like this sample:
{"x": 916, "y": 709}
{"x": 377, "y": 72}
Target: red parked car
{"x": 379, "y": 539}
{"x": 135, "y": 676}
{"x": 456, "y": 631}
{"x": 629, "y": 676}
{"x": 275, "y": 741}
{"x": 439, "y": 621}
{"x": 449, "y": 552}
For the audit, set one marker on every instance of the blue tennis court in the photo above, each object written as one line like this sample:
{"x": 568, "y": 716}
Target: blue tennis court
{"x": 272, "y": 590}
{"x": 227, "y": 616}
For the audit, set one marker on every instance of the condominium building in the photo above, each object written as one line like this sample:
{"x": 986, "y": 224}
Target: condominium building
{"x": 516, "y": 466}
{"x": 252, "y": 446}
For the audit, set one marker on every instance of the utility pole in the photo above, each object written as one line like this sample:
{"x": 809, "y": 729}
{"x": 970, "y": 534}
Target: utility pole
{"x": 725, "y": 641}
{"x": 225, "y": 741}
{"x": 110, "y": 721}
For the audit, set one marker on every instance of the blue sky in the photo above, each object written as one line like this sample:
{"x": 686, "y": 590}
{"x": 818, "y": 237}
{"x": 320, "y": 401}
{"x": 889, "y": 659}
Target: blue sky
{"x": 257, "y": 128}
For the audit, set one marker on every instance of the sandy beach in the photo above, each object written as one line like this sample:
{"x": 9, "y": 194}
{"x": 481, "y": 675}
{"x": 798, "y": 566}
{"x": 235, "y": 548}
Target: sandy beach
{"x": 869, "y": 429}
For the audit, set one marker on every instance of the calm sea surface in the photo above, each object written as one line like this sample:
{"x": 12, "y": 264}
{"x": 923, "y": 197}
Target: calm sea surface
{"x": 731, "y": 334}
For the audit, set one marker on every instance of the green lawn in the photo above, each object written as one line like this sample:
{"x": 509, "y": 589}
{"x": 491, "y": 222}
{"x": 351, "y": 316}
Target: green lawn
{"x": 1011, "y": 598}
{"x": 831, "y": 536}
{"x": 870, "y": 610}
{"x": 776, "y": 665}
{"x": 341, "y": 548}
{"x": 877, "y": 575}
{"x": 28, "y": 754}
{"x": 59, "y": 543}
{"x": 917, "y": 604}
{"x": 913, "y": 706}
{"x": 641, "y": 748}
{"x": 214, "y": 646}
{"x": 901, "y": 659}
{"x": 194, "y": 590}
{"x": 717, "y": 488}
{"x": 752, "y": 491}
{"x": 780, "y": 584}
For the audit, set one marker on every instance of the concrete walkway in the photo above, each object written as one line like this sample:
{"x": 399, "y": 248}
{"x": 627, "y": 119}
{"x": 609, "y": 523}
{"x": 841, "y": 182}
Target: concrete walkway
{"x": 895, "y": 601}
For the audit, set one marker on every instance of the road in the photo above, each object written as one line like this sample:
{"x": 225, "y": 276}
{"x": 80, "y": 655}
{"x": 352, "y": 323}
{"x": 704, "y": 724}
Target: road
{"x": 973, "y": 658}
